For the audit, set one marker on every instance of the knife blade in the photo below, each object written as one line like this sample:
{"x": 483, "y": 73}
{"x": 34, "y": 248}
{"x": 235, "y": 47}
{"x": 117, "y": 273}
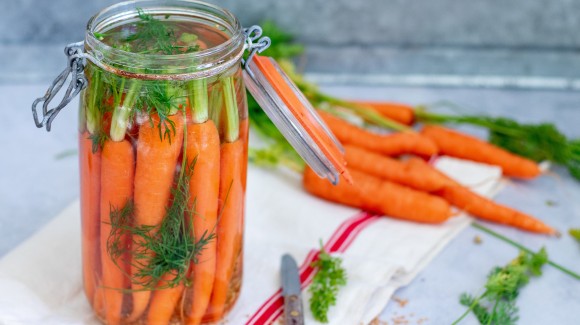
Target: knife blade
{"x": 293, "y": 312}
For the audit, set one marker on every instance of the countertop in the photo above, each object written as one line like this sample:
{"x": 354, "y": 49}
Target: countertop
{"x": 39, "y": 178}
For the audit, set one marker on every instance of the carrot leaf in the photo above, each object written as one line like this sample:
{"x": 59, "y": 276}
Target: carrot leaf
{"x": 497, "y": 305}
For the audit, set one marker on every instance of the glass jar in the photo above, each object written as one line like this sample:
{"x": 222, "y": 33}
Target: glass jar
{"x": 163, "y": 141}
{"x": 163, "y": 151}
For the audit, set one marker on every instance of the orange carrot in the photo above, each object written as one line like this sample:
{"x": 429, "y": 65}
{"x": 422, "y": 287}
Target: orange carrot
{"x": 90, "y": 170}
{"x": 154, "y": 176}
{"x": 376, "y": 195}
{"x": 245, "y": 137}
{"x": 482, "y": 207}
{"x": 163, "y": 302}
{"x": 117, "y": 171}
{"x": 230, "y": 224}
{"x": 392, "y": 145}
{"x": 203, "y": 147}
{"x": 401, "y": 113}
{"x": 403, "y": 173}
{"x": 486, "y": 209}
{"x": 460, "y": 145}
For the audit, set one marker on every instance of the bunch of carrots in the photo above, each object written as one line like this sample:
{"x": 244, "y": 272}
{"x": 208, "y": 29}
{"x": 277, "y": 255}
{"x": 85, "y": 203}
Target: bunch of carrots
{"x": 412, "y": 189}
{"x": 408, "y": 188}
{"x": 162, "y": 200}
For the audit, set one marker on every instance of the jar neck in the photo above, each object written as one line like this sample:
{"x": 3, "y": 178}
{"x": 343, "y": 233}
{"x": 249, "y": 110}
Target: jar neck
{"x": 200, "y": 64}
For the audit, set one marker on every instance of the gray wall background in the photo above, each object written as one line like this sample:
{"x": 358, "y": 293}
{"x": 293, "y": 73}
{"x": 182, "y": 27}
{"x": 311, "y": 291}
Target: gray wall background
{"x": 527, "y": 42}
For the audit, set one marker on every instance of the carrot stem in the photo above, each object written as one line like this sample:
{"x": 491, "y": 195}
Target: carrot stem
{"x": 232, "y": 118}
{"x": 121, "y": 113}
{"x": 523, "y": 248}
{"x": 92, "y": 114}
{"x": 198, "y": 100}
{"x": 367, "y": 113}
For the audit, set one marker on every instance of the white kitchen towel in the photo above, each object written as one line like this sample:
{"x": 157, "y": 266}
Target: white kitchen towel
{"x": 40, "y": 281}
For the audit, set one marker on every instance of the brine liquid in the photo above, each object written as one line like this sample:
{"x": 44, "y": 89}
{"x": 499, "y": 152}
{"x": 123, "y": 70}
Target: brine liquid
{"x": 163, "y": 177}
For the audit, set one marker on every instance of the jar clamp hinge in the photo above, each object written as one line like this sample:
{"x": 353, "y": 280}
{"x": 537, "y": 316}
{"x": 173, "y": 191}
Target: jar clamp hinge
{"x": 75, "y": 67}
{"x": 254, "y": 42}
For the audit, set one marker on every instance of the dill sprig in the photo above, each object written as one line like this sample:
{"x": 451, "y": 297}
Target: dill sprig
{"x": 164, "y": 99}
{"x": 497, "y": 304}
{"x": 329, "y": 278}
{"x": 152, "y": 36}
{"x": 167, "y": 248}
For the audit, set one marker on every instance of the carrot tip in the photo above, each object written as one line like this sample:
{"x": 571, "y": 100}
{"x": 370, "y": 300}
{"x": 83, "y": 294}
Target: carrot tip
{"x": 556, "y": 233}
{"x": 347, "y": 177}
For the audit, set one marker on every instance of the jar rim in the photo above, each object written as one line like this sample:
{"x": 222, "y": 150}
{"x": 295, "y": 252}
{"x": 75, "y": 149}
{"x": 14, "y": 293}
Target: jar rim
{"x": 190, "y": 65}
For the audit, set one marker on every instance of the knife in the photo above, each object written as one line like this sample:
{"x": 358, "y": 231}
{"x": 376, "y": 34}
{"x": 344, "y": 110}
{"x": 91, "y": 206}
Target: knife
{"x": 293, "y": 313}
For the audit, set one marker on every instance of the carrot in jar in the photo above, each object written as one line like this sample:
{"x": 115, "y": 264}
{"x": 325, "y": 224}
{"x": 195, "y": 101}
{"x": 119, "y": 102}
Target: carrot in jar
{"x": 117, "y": 172}
{"x": 158, "y": 150}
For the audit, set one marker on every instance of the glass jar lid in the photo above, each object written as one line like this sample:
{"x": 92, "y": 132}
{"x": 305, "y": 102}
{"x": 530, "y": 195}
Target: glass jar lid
{"x": 295, "y": 117}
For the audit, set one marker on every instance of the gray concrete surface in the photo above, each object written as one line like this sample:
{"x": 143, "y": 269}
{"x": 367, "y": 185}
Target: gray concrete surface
{"x": 434, "y": 38}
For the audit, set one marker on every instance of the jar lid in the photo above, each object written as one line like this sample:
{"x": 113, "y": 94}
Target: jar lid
{"x": 295, "y": 117}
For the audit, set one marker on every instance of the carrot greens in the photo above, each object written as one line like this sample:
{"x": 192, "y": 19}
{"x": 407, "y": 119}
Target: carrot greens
{"x": 575, "y": 233}
{"x": 497, "y": 304}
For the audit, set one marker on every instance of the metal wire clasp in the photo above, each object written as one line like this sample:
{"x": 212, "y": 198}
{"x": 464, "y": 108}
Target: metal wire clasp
{"x": 75, "y": 67}
{"x": 254, "y": 43}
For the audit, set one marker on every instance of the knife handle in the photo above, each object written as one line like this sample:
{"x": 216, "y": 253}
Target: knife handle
{"x": 293, "y": 314}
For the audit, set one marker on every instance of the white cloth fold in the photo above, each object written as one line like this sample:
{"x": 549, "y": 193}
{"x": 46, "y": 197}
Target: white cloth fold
{"x": 40, "y": 281}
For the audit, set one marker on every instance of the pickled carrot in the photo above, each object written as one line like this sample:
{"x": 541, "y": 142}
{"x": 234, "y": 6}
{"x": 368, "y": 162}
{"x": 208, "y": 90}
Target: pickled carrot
{"x": 203, "y": 149}
{"x": 244, "y": 135}
{"x": 230, "y": 224}
{"x": 392, "y": 144}
{"x": 154, "y": 175}
{"x": 117, "y": 172}
{"x": 163, "y": 302}
{"x": 90, "y": 170}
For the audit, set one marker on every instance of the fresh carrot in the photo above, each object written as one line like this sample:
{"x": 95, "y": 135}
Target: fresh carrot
{"x": 117, "y": 174}
{"x": 231, "y": 210}
{"x": 392, "y": 145}
{"x": 90, "y": 170}
{"x": 158, "y": 150}
{"x": 401, "y": 113}
{"x": 203, "y": 149}
{"x": 376, "y": 195}
{"x": 463, "y": 146}
{"x": 479, "y": 206}
{"x": 486, "y": 209}
{"x": 390, "y": 169}
{"x": 163, "y": 302}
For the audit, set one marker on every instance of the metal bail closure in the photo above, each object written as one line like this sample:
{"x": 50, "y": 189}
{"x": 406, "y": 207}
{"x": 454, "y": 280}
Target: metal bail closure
{"x": 78, "y": 82}
{"x": 293, "y": 115}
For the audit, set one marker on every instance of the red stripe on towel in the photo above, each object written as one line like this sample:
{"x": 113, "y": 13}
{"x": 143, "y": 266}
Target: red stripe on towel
{"x": 340, "y": 240}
